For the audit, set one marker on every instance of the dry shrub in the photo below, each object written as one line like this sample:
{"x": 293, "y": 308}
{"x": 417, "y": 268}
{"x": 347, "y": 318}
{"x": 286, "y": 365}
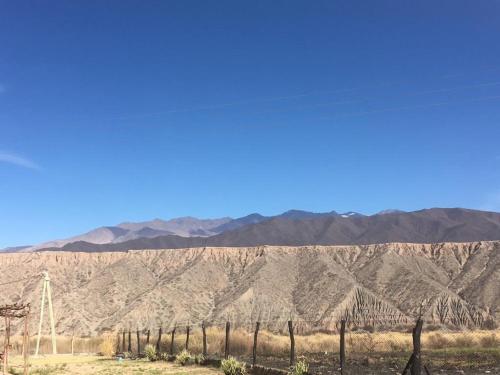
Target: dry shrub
{"x": 489, "y": 341}
{"x": 316, "y": 343}
{"x": 464, "y": 341}
{"x": 270, "y": 344}
{"x": 437, "y": 341}
{"x": 108, "y": 345}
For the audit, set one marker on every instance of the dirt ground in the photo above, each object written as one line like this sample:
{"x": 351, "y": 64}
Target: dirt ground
{"x": 467, "y": 362}
{"x": 86, "y": 365}
{"x": 464, "y": 362}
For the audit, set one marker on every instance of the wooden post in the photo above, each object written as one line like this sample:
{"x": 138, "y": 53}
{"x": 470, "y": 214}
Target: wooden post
{"x": 187, "y": 337}
{"x": 73, "y": 343}
{"x": 416, "y": 366}
{"x": 123, "y": 342}
{"x": 226, "y": 348}
{"x": 147, "y": 337}
{"x": 292, "y": 343}
{"x": 254, "y": 351}
{"x": 129, "y": 341}
{"x": 117, "y": 343}
{"x": 138, "y": 342}
{"x": 204, "y": 339}
{"x": 342, "y": 347}
{"x": 26, "y": 344}
{"x": 26, "y": 339}
{"x": 6, "y": 345}
{"x": 158, "y": 342}
{"x": 408, "y": 364}
{"x": 172, "y": 342}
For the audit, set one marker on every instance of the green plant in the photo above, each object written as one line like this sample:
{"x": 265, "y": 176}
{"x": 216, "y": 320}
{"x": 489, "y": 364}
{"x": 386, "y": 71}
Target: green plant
{"x": 150, "y": 352}
{"x": 199, "y": 359}
{"x": 300, "y": 368}
{"x": 163, "y": 356}
{"x": 183, "y": 357}
{"x": 232, "y": 366}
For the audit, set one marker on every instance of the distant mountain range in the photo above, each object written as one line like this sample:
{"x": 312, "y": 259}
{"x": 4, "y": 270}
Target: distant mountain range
{"x": 292, "y": 228}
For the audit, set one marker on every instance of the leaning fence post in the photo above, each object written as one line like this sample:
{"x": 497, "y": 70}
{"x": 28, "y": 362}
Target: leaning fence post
{"x": 416, "y": 366}
{"x": 172, "y": 342}
{"x": 408, "y": 364}
{"x": 187, "y": 337}
{"x": 342, "y": 346}
{"x": 204, "y": 338}
{"x": 292, "y": 343}
{"x": 159, "y": 341}
{"x": 226, "y": 348}
{"x": 147, "y": 337}
{"x": 129, "y": 341}
{"x": 254, "y": 351}
{"x": 138, "y": 342}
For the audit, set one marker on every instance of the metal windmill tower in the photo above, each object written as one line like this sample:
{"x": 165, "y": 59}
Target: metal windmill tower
{"x": 46, "y": 291}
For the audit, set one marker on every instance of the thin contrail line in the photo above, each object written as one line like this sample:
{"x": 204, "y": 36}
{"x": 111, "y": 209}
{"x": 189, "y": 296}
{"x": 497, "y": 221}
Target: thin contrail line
{"x": 402, "y": 108}
{"x": 312, "y": 93}
{"x": 250, "y": 101}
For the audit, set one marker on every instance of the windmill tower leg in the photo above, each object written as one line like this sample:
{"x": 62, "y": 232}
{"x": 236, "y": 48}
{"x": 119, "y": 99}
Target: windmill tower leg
{"x": 51, "y": 316}
{"x": 42, "y": 307}
{"x": 46, "y": 290}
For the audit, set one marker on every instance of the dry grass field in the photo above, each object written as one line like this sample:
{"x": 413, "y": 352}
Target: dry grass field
{"x": 87, "y": 364}
{"x": 447, "y": 351}
{"x": 278, "y": 345}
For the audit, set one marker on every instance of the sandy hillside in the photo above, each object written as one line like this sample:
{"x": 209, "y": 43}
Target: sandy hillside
{"x": 318, "y": 284}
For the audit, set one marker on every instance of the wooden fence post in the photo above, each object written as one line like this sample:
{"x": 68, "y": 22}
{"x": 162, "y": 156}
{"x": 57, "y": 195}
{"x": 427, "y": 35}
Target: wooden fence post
{"x": 172, "y": 342}
{"x": 129, "y": 341}
{"x": 292, "y": 343}
{"x": 123, "y": 341}
{"x": 342, "y": 346}
{"x": 408, "y": 364}
{"x": 416, "y": 366}
{"x": 254, "y": 351}
{"x": 138, "y": 342}
{"x": 147, "y": 337}
{"x": 226, "y": 348}
{"x": 117, "y": 343}
{"x": 6, "y": 345}
{"x": 187, "y": 337}
{"x": 26, "y": 344}
{"x": 204, "y": 339}
{"x": 158, "y": 342}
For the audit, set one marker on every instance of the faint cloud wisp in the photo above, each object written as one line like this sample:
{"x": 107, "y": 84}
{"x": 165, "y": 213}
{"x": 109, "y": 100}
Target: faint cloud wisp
{"x": 10, "y": 158}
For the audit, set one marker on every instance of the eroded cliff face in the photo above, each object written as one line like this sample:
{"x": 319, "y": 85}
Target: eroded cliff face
{"x": 316, "y": 284}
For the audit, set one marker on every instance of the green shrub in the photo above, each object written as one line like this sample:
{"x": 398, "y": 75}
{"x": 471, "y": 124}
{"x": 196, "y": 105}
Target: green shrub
{"x": 300, "y": 368}
{"x": 199, "y": 359}
{"x": 232, "y": 366}
{"x": 163, "y": 356}
{"x": 150, "y": 352}
{"x": 183, "y": 357}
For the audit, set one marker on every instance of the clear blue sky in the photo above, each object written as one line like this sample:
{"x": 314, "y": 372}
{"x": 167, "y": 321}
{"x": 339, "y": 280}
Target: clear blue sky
{"x": 131, "y": 110}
